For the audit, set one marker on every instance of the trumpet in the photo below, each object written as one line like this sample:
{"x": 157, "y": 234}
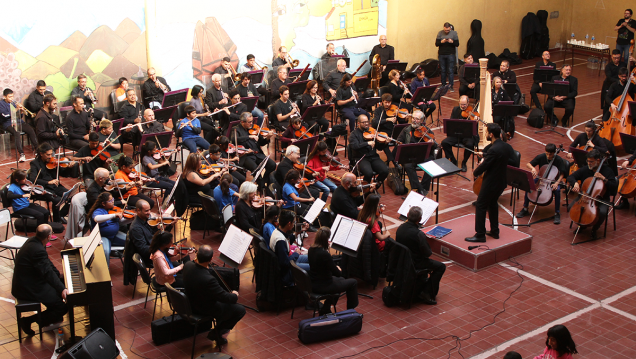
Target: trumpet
{"x": 161, "y": 86}
{"x": 294, "y": 63}
{"x": 22, "y": 108}
{"x": 91, "y": 95}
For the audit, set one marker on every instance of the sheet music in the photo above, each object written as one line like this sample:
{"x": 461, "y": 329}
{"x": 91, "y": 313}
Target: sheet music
{"x": 432, "y": 168}
{"x": 235, "y": 244}
{"x": 427, "y": 205}
{"x": 314, "y": 211}
{"x": 347, "y": 232}
{"x": 169, "y": 209}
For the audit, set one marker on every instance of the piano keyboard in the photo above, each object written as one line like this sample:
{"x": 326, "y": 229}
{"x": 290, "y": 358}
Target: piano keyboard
{"x": 74, "y": 273}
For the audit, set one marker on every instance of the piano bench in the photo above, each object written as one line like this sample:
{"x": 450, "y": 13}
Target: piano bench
{"x": 22, "y": 306}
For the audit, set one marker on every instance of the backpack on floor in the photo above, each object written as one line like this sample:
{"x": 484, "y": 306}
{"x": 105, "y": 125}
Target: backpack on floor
{"x": 535, "y": 119}
{"x": 395, "y": 182}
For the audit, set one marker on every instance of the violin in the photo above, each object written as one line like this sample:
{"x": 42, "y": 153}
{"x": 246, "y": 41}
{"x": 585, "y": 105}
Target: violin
{"x": 394, "y": 111}
{"x": 141, "y": 175}
{"x": 205, "y": 170}
{"x": 369, "y": 134}
{"x": 241, "y": 149}
{"x": 100, "y": 152}
{"x": 259, "y": 201}
{"x": 37, "y": 189}
{"x": 183, "y": 250}
{"x": 362, "y": 188}
{"x": 423, "y": 132}
{"x": 328, "y": 158}
{"x": 469, "y": 113}
{"x": 302, "y": 133}
{"x": 300, "y": 167}
{"x": 62, "y": 162}
{"x": 548, "y": 174}
{"x": 304, "y": 183}
{"x": 125, "y": 213}
{"x": 584, "y": 211}
{"x": 118, "y": 183}
{"x": 256, "y": 130}
{"x": 165, "y": 219}
{"x": 162, "y": 153}
{"x": 380, "y": 210}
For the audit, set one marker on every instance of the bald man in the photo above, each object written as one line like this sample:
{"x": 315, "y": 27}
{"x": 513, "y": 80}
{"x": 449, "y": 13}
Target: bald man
{"x": 153, "y": 93}
{"x": 385, "y": 51}
{"x": 152, "y": 127}
{"x": 332, "y": 81}
{"x": 342, "y": 203}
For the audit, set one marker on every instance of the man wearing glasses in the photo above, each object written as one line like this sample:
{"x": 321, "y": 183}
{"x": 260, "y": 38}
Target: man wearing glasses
{"x": 364, "y": 151}
{"x": 252, "y": 143}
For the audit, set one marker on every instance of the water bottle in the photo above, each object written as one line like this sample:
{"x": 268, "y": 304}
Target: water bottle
{"x": 60, "y": 338}
{"x": 592, "y": 39}
{"x": 586, "y": 38}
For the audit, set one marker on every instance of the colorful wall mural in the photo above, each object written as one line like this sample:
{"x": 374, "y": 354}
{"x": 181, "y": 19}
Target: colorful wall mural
{"x": 184, "y": 41}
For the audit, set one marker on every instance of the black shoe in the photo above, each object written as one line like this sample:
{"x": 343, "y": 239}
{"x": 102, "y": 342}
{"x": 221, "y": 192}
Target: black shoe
{"x": 423, "y": 192}
{"x": 426, "y": 299}
{"x": 493, "y": 235}
{"x": 464, "y": 168}
{"x": 475, "y": 239}
{"x": 62, "y": 220}
{"x": 593, "y": 235}
{"x": 557, "y": 218}
{"x": 221, "y": 342}
{"x": 623, "y": 205}
{"x": 25, "y": 325}
{"x": 524, "y": 212}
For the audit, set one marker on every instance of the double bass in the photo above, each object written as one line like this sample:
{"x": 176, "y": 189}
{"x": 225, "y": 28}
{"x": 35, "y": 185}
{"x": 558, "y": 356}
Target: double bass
{"x": 547, "y": 176}
{"x": 620, "y": 120}
{"x": 584, "y": 211}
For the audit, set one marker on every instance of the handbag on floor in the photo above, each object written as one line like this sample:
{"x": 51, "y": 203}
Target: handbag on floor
{"x": 330, "y": 326}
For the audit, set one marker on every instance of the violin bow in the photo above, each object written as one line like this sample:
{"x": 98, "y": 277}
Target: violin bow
{"x": 103, "y": 149}
{"x": 57, "y": 175}
{"x": 112, "y": 173}
{"x": 304, "y": 133}
{"x": 305, "y": 169}
{"x": 36, "y": 181}
{"x": 159, "y": 145}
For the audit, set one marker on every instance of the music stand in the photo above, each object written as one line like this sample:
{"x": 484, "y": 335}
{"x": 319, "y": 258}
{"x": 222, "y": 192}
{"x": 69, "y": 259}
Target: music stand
{"x": 250, "y": 102}
{"x": 511, "y": 89}
{"x": 397, "y": 129}
{"x": 544, "y": 74}
{"x": 315, "y": 112}
{"x": 368, "y": 102}
{"x": 447, "y": 169}
{"x": 174, "y": 98}
{"x": 423, "y": 94}
{"x": 507, "y": 110}
{"x": 165, "y": 138}
{"x": 553, "y": 89}
{"x": 628, "y": 141}
{"x": 412, "y": 153}
{"x": 164, "y": 115}
{"x": 579, "y": 156}
{"x": 306, "y": 143}
{"x": 361, "y": 83}
{"x": 460, "y": 129}
{"x": 437, "y": 96}
{"x": 471, "y": 72}
{"x": 395, "y": 65}
{"x": 296, "y": 89}
{"x": 519, "y": 179}
{"x": 256, "y": 77}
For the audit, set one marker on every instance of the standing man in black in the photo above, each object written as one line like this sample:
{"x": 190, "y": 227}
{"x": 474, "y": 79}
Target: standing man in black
{"x": 606, "y": 175}
{"x": 364, "y": 152}
{"x": 35, "y": 278}
{"x": 386, "y": 52}
{"x": 208, "y": 298}
{"x": 447, "y": 42}
{"x": 625, "y": 28}
{"x": 36, "y": 99}
{"x": 47, "y": 124}
{"x": 154, "y": 88}
{"x": 78, "y": 124}
{"x": 493, "y": 167}
{"x": 568, "y": 102}
{"x": 611, "y": 77}
{"x": 536, "y": 86}
{"x": 468, "y": 142}
{"x": 410, "y": 235}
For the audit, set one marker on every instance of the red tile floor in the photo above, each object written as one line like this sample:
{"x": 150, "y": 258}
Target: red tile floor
{"x": 588, "y": 287}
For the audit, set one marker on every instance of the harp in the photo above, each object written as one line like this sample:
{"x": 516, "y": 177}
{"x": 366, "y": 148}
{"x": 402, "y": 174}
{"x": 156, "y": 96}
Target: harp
{"x": 485, "y": 107}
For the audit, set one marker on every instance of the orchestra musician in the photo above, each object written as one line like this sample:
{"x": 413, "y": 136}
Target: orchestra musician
{"x": 226, "y": 73}
{"x": 334, "y": 78}
{"x": 364, "y": 152}
{"x": 536, "y": 86}
{"x": 141, "y": 233}
{"x": 450, "y": 141}
{"x": 132, "y": 195}
{"x": 90, "y": 164}
{"x": 508, "y": 76}
{"x": 606, "y": 175}
{"x": 35, "y": 278}
{"x": 108, "y": 223}
{"x": 347, "y": 100}
{"x": 19, "y": 198}
{"x": 568, "y": 102}
{"x": 166, "y": 260}
{"x": 311, "y": 98}
{"x": 47, "y": 178}
{"x": 194, "y": 181}
{"x": 234, "y": 113}
{"x": 395, "y": 88}
{"x": 107, "y": 137}
{"x": 35, "y": 100}
{"x": 5, "y": 120}
{"x": 120, "y": 91}
{"x": 284, "y": 108}
{"x": 246, "y": 215}
{"x": 246, "y": 89}
{"x": 331, "y": 50}
{"x": 252, "y": 157}
{"x": 132, "y": 112}
{"x": 208, "y": 298}
{"x": 189, "y": 129}
{"x": 217, "y": 99}
{"x": 276, "y": 84}
{"x": 47, "y": 124}
{"x": 250, "y": 65}
{"x": 88, "y": 96}
{"x": 224, "y": 194}
{"x": 291, "y": 196}
{"x": 280, "y": 242}
{"x": 386, "y": 124}
{"x": 629, "y": 162}
{"x": 319, "y": 161}
{"x": 498, "y": 93}
{"x": 370, "y": 214}
{"x": 153, "y": 89}
{"x": 385, "y": 51}
{"x": 611, "y": 76}
{"x": 589, "y": 138}
{"x": 292, "y": 156}
{"x": 157, "y": 169}
{"x": 428, "y": 107}
{"x": 78, "y": 124}
{"x": 281, "y": 60}
{"x": 540, "y": 161}
{"x": 207, "y": 124}
{"x": 102, "y": 177}
{"x": 494, "y": 168}
{"x": 408, "y": 135}
{"x": 216, "y": 155}
{"x": 467, "y": 85}
{"x": 153, "y": 126}
{"x": 343, "y": 202}
{"x": 616, "y": 90}
{"x": 295, "y": 125}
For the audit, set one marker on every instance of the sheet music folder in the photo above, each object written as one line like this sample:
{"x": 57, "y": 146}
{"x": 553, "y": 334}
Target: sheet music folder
{"x": 234, "y": 246}
{"x": 346, "y": 235}
{"x": 415, "y": 199}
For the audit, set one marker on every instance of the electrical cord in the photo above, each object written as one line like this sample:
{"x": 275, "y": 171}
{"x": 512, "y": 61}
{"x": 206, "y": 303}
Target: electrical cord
{"x": 133, "y": 339}
{"x": 458, "y": 340}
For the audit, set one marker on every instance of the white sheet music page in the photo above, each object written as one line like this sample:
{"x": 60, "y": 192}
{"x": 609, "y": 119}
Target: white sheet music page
{"x": 341, "y": 232}
{"x": 334, "y": 226}
{"x": 315, "y": 209}
{"x": 347, "y": 232}
{"x": 432, "y": 168}
{"x": 235, "y": 244}
{"x": 427, "y": 205}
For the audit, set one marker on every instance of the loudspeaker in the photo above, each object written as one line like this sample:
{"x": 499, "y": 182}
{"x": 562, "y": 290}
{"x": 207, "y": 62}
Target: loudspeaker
{"x": 96, "y": 345}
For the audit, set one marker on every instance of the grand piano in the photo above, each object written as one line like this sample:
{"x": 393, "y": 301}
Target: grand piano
{"x": 89, "y": 286}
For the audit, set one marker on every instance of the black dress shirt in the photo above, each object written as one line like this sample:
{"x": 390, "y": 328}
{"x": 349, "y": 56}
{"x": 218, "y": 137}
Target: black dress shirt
{"x": 324, "y": 269}
{"x": 410, "y": 235}
{"x": 584, "y": 173}
{"x": 332, "y": 81}
{"x": 35, "y": 101}
{"x": 281, "y": 170}
{"x": 242, "y": 137}
{"x": 34, "y": 275}
{"x": 78, "y": 125}
{"x": 616, "y": 90}
{"x": 213, "y": 96}
{"x": 386, "y": 53}
{"x": 152, "y": 92}
{"x": 140, "y": 234}
{"x": 509, "y": 76}
{"x": 227, "y": 80}
{"x": 581, "y": 140}
{"x": 77, "y": 92}
{"x": 345, "y": 93}
{"x": 343, "y": 204}
{"x": 247, "y": 217}
{"x": 249, "y": 91}
{"x": 359, "y": 145}
{"x": 573, "y": 85}
{"x": 203, "y": 289}
{"x": 130, "y": 112}
{"x": 45, "y": 130}
{"x": 495, "y": 165}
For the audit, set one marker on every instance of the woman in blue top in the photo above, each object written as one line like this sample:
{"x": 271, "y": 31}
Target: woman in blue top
{"x": 20, "y": 199}
{"x": 108, "y": 223}
{"x": 223, "y": 194}
{"x": 270, "y": 222}
{"x": 290, "y": 195}
{"x": 189, "y": 129}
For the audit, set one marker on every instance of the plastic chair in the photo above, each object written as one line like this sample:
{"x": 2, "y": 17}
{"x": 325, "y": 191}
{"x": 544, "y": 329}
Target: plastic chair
{"x": 15, "y": 242}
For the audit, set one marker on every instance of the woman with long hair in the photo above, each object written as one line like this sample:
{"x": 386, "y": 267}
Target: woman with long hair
{"x": 370, "y": 214}
{"x": 223, "y": 194}
{"x": 193, "y": 180}
{"x": 108, "y": 223}
{"x": 347, "y": 100}
{"x": 311, "y": 98}
{"x": 326, "y": 276}
{"x": 499, "y": 93}
{"x": 20, "y": 198}
{"x": 316, "y": 163}
{"x": 396, "y": 91}
{"x": 154, "y": 169}
{"x": 164, "y": 260}
{"x": 207, "y": 124}
{"x": 126, "y": 167}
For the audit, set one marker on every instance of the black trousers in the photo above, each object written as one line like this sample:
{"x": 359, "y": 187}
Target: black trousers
{"x": 387, "y": 150}
{"x": 210, "y": 132}
{"x": 26, "y": 128}
{"x": 568, "y": 104}
{"x": 40, "y": 213}
{"x": 427, "y": 108}
{"x": 431, "y": 287}
{"x": 132, "y": 200}
{"x": 411, "y": 172}
{"x": 487, "y": 204}
{"x": 239, "y": 178}
{"x": 506, "y": 123}
{"x": 251, "y": 161}
{"x": 55, "y": 202}
{"x": 321, "y": 125}
{"x": 465, "y": 90}
{"x": 449, "y": 142}
{"x": 227, "y": 315}
{"x": 163, "y": 183}
{"x": 370, "y": 164}
{"x": 54, "y": 312}
{"x": 534, "y": 90}
{"x": 338, "y": 285}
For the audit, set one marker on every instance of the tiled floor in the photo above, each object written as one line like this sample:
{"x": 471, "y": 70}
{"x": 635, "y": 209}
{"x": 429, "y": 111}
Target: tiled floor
{"x": 589, "y": 287}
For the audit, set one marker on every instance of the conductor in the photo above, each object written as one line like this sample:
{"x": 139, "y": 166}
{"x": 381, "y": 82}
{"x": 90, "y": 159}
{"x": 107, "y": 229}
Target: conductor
{"x": 493, "y": 167}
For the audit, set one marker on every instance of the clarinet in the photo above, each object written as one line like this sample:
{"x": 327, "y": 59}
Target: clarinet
{"x": 64, "y": 138}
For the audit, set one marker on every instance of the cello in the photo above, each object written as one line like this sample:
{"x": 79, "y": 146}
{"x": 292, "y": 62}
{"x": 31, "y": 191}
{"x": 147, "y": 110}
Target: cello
{"x": 584, "y": 211}
{"x": 548, "y": 175}
{"x": 574, "y": 167}
{"x": 620, "y": 119}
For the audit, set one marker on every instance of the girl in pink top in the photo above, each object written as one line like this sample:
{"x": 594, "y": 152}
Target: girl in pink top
{"x": 559, "y": 344}
{"x": 162, "y": 256}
